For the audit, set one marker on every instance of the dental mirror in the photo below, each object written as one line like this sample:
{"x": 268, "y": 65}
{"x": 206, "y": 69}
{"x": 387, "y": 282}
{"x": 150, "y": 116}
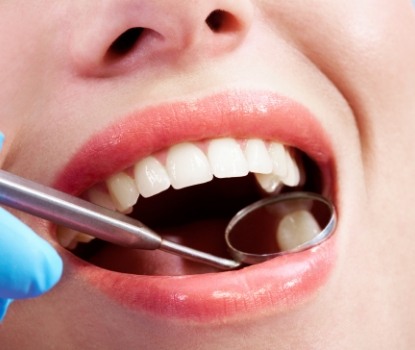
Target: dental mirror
{"x": 284, "y": 224}
{"x": 280, "y": 225}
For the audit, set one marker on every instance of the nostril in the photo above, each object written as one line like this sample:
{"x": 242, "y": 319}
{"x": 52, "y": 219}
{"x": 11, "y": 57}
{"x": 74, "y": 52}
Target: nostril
{"x": 125, "y": 43}
{"x": 222, "y": 21}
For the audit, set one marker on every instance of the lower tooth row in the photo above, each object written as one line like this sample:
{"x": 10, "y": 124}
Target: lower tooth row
{"x": 187, "y": 164}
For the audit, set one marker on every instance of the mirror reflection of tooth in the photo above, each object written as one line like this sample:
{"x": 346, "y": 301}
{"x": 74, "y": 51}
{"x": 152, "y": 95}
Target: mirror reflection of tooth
{"x": 281, "y": 209}
{"x": 123, "y": 191}
{"x": 295, "y": 229}
{"x": 257, "y": 157}
{"x": 151, "y": 177}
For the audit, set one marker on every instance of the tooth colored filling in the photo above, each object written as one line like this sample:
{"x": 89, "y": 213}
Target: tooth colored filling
{"x": 188, "y": 164}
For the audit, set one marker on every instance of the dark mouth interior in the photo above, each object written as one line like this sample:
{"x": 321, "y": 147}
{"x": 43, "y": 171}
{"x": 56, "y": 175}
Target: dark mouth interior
{"x": 196, "y": 217}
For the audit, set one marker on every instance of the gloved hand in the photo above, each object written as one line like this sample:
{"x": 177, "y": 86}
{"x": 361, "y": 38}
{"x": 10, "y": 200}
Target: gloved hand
{"x": 29, "y": 266}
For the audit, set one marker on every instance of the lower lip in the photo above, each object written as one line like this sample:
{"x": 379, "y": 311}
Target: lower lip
{"x": 271, "y": 287}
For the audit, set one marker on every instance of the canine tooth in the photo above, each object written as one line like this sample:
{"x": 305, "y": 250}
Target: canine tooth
{"x": 293, "y": 173}
{"x": 123, "y": 191}
{"x": 187, "y": 165}
{"x": 257, "y": 156}
{"x": 150, "y": 177}
{"x": 226, "y": 158}
{"x": 278, "y": 154}
{"x": 270, "y": 183}
{"x": 99, "y": 197}
{"x": 296, "y": 228}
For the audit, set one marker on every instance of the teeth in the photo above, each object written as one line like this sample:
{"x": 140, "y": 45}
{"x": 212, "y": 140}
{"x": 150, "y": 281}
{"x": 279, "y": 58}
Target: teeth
{"x": 296, "y": 228}
{"x": 68, "y": 238}
{"x": 65, "y": 236}
{"x": 257, "y": 156}
{"x": 285, "y": 170}
{"x": 187, "y": 165}
{"x": 278, "y": 155}
{"x": 270, "y": 183}
{"x": 292, "y": 178}
{"x": 226, "y": 158}
{"x": 151, "y": 177}
{"x": 123, "y": 191}
{"x": 99, "y": 197}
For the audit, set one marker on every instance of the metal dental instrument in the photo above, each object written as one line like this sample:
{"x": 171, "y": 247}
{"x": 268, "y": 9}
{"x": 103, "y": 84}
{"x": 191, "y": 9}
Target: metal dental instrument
{"x": 114, "y": 227}
{"x": 99, "y": 222}
{"x": 266, "y": 216}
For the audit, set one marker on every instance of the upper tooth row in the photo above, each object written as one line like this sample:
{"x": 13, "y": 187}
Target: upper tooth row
{"x": 187, "y": 164}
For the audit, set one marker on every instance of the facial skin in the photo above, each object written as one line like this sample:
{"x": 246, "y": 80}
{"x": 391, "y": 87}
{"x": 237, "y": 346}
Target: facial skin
{"x": 350, "y": 63}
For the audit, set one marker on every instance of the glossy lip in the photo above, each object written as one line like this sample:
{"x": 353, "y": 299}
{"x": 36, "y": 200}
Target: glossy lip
{"x": 273, "y": 286}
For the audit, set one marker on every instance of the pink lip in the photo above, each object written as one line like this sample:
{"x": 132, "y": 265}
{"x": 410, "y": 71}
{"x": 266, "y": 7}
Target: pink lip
{"x": 274, "y": 286}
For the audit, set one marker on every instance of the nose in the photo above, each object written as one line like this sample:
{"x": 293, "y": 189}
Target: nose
{"x": 115, "y": 36}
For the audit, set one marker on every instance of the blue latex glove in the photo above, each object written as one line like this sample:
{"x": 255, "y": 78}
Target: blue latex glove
{"x": 29, "y": 266}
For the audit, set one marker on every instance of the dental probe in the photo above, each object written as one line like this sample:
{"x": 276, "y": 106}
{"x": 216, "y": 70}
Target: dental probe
{"x": 99, "y": 222}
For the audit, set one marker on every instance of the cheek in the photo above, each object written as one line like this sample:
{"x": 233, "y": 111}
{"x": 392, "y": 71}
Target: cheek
{"x": 24, "y": 63}
{"x": 367, "y": 51}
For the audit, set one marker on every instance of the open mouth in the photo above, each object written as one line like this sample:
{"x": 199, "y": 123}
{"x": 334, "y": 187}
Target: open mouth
{"x": 188, "y": 193}
{"x": 198, "y": 162}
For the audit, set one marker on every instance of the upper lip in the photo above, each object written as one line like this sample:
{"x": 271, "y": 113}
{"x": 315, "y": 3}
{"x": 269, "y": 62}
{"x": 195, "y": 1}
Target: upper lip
{"x": 238, "y": 114}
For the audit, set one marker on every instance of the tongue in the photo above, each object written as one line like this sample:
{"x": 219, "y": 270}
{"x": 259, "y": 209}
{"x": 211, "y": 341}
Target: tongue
{"x": 205, "y": 235}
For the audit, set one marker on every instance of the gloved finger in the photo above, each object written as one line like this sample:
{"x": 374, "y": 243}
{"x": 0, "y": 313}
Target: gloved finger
{"x": 29, "y": 266}
{"x": 4, "y": 304}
